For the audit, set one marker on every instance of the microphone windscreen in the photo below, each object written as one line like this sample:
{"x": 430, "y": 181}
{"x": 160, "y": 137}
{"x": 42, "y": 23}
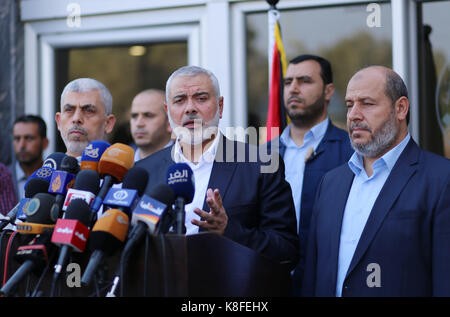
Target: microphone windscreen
{"x": 35, "y": 186}
{"x": 163, "y": 193}
{"x": 79, "y": 210}
{"x": 70, "y": 164}
{"x": 136, "y": 178}
{"x": 116, "y": 161}
{"x": 37, "y": 210}
{"x": 54, "y": 160}
{"x": 110, "y": 231}
{"x": 43, "y": 173}
{"x": 87, "y": 180}
{"x": 92, "y": 154}
{"x": 181, "y": 178}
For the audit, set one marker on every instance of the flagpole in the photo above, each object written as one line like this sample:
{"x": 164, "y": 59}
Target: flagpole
{"x": 273, "y": 15}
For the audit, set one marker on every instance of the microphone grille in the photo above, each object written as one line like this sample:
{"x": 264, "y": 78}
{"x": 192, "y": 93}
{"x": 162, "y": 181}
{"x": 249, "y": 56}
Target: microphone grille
{"x": 136, "y": 178}
{"x": 88, "y": 180}
{"x": 35, "y": 186}
{"x": 37, "y": 210}
{"x": 79, "y": 210}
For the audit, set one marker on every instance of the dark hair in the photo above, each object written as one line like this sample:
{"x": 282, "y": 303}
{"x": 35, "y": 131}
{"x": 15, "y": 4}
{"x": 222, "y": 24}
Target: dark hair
{"x": 29, "y": 118}
{"x": 325, "y": 67}
{"x": 395, "y": 88}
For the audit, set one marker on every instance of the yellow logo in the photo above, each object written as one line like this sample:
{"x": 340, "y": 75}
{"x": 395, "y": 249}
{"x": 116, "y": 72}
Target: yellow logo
{"x": 44, "y": 172}
{"x": 56, "y": 184}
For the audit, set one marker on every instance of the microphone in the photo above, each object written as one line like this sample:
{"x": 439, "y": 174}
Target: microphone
{"x": 147, "y": 214}
{"x": 113, "y": 165}
{"x": 133, "y": 187}
{"x": 107, "y": 236}
{"x": 71, "y": 233}
{"x": 145, "y": 217}
{"x": 38, "y": 219}
{"x": 153, "y": 209}
{"x": 86, "y": 186}
{"x": 34, "y": 186}
{"x": 44, "y": 173}
{"x": 33, "y": 256}
{"x": 61, "y": 181}
{"x": 92, "y": 154}
{"x": 54, "y": 160}
{"x": 181, "y": 178}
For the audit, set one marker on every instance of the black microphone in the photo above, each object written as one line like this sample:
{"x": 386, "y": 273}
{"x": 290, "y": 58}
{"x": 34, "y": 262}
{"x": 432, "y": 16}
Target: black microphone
{"x": 86, "y": 187}
{"x": 33, "y": 256}
{"x": 147, "y": 214}
{"x": 54, "y": 160}
{"x": 71, "y": 233}
{"x": 181, "y": 178}
{"x": 61, "y": 181}
{"x": 145, "y": 218}
{"x": 33, "y": 187}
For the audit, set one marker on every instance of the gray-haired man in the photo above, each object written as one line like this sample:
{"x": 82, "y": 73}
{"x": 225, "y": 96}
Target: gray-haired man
{"x": 86, "y": 114}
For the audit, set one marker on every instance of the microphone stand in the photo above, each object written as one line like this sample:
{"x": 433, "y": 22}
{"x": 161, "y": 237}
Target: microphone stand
{"x": 180, "y": 216}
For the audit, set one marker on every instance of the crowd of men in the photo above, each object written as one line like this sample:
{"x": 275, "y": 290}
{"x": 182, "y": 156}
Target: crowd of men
{"x": 340, "y": 204}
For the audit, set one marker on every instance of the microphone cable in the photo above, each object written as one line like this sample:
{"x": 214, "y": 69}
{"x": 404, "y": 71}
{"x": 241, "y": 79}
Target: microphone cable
{"x": 147, "y": 237}
{"x": 7, "y": 251}
{"x": 44, "y": 273}
{"x": 2, "y": 235}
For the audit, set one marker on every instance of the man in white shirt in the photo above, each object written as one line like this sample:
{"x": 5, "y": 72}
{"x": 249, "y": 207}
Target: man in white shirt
{"x": 232, "y": 198}
{"x": 85, "y": 115}
{"x": 311, "y": 144}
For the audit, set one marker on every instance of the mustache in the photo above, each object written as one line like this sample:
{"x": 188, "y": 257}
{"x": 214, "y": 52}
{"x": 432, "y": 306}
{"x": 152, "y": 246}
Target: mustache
{"x": 191, "y": 117}
{"x": 359, "y": 125}
{"x": 77, "y": 129}
{"x": 295, "y": 98}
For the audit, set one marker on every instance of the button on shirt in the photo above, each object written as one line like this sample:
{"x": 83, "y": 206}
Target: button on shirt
{"x": 202, "y": 173}
{"x": 294, "y": 159}
{"x": 362, "y": 196}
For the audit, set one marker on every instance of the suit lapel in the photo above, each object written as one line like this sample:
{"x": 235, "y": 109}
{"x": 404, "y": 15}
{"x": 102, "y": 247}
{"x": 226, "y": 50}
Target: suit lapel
{"x": 222, "y": 170}
{"x": 404, "y": 168}
{"x": 340, "y": 196}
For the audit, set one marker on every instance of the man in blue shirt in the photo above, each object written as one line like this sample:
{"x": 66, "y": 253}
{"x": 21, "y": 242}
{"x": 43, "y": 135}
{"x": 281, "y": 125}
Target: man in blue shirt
{"x": 381, "y": 223}
{"x": 311, "y": 145}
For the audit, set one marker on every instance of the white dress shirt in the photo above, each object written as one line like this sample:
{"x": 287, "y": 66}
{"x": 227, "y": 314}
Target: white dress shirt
{"x": 202, "y": 173}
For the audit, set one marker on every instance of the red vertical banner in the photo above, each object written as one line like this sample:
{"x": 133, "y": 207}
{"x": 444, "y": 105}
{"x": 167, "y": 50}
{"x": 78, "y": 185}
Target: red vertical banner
{"x": 276, "y": 114}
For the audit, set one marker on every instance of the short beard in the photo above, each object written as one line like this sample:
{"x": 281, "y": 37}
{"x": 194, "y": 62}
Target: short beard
{"x": 381, "y": 139}
{"x": 311, "y": 114}
{"x": 199, "y": 135}
{"x": 75, "y": 146}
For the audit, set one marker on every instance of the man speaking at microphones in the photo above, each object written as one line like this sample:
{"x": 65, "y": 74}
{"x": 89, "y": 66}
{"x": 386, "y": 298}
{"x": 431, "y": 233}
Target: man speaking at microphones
{"x": 85, "y": 114}
{"x": 233, "y": 197}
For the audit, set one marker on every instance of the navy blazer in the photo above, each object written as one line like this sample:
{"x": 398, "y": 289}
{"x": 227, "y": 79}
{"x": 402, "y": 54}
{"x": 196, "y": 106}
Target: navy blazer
{"x": 259, "y": 205}
{"x": 333, "y": 150}
{"x": 407, "y": 234}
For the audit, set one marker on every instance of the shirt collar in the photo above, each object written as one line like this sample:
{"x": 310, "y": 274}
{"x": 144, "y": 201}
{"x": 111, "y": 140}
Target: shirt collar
{"x": 315, "y": 133}
{"x": 20, "y": 174}
{"x": 207, "y": 157}
{"x": 389, "y": 159}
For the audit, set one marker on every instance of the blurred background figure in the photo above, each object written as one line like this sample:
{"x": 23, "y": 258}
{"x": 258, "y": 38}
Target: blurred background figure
{"x": 30, "y": 141}
{"x": 7, "y": 195}
{"x": 149, "y": 124}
